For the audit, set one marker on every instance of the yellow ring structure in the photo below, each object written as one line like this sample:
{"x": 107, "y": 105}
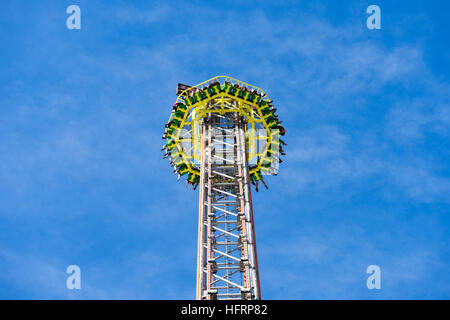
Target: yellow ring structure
{"x": 223, "y": 94}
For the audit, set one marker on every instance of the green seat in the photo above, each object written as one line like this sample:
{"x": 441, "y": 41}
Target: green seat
{"x": 231, "y": 90}
{"x": 178, "y": 161}
{"x": 212, "y": 91}
{"x": 266, "y": 163}
{"x": 191, "y": 100}
{"x": 273, "y": 124}
{"x": 202, "y": 95}
{"x": 193, "y": 178}
{"x": 182, "y": 168}
{"x": 255, "y": 176}
{"x": 250, "y": 97}
{"x": 241, "y": 94}
{"x": 170, "y": 145}
{"x": 181, "y": 107}
{"x": 174, "y": 123}
{"x": 179, "y": 114}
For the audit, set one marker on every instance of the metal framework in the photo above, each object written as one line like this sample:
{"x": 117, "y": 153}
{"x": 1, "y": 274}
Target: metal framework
{"x": 227, "y": 258}
{"x": 223, "y": 135}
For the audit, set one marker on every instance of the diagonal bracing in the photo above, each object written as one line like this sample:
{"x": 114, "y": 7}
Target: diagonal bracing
{"x": 227, "y": 262}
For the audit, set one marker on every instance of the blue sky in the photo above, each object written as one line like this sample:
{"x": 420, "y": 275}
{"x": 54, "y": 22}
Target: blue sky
{"x": 365, "y": 180}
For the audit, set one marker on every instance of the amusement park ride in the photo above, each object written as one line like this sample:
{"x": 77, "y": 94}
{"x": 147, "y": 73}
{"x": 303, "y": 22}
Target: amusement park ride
{"x": 224, "y": 135}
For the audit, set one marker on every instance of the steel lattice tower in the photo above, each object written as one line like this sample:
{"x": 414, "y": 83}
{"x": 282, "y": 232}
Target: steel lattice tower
{"x": 213, "y": 130}
{"x": 227, "y": 259}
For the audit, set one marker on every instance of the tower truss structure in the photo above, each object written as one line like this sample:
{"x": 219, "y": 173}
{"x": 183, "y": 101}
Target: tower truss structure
{"x": 227, "y": 258}
{"x": 224, "y": 135}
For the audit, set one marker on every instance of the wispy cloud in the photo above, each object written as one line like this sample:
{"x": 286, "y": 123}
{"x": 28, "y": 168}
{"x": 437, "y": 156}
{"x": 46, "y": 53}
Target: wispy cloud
{"x": 80, "y": 163}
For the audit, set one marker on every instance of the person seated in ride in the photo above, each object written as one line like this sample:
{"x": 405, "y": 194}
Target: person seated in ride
{"x": 180, "y": 106}
{"x": 266, "y": 112}
{"x": 193, "y": 178}
{"x": 179, "y": 115}
{"x": 182, "y": 171}
{"x": 263, "y": 105}
{"x": 171, "y": 144}
{"x": 267, "y": 163}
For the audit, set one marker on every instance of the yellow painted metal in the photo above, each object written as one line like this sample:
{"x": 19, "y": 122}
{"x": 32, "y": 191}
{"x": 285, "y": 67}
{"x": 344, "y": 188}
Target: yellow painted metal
{"x": 221, "y": 95}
